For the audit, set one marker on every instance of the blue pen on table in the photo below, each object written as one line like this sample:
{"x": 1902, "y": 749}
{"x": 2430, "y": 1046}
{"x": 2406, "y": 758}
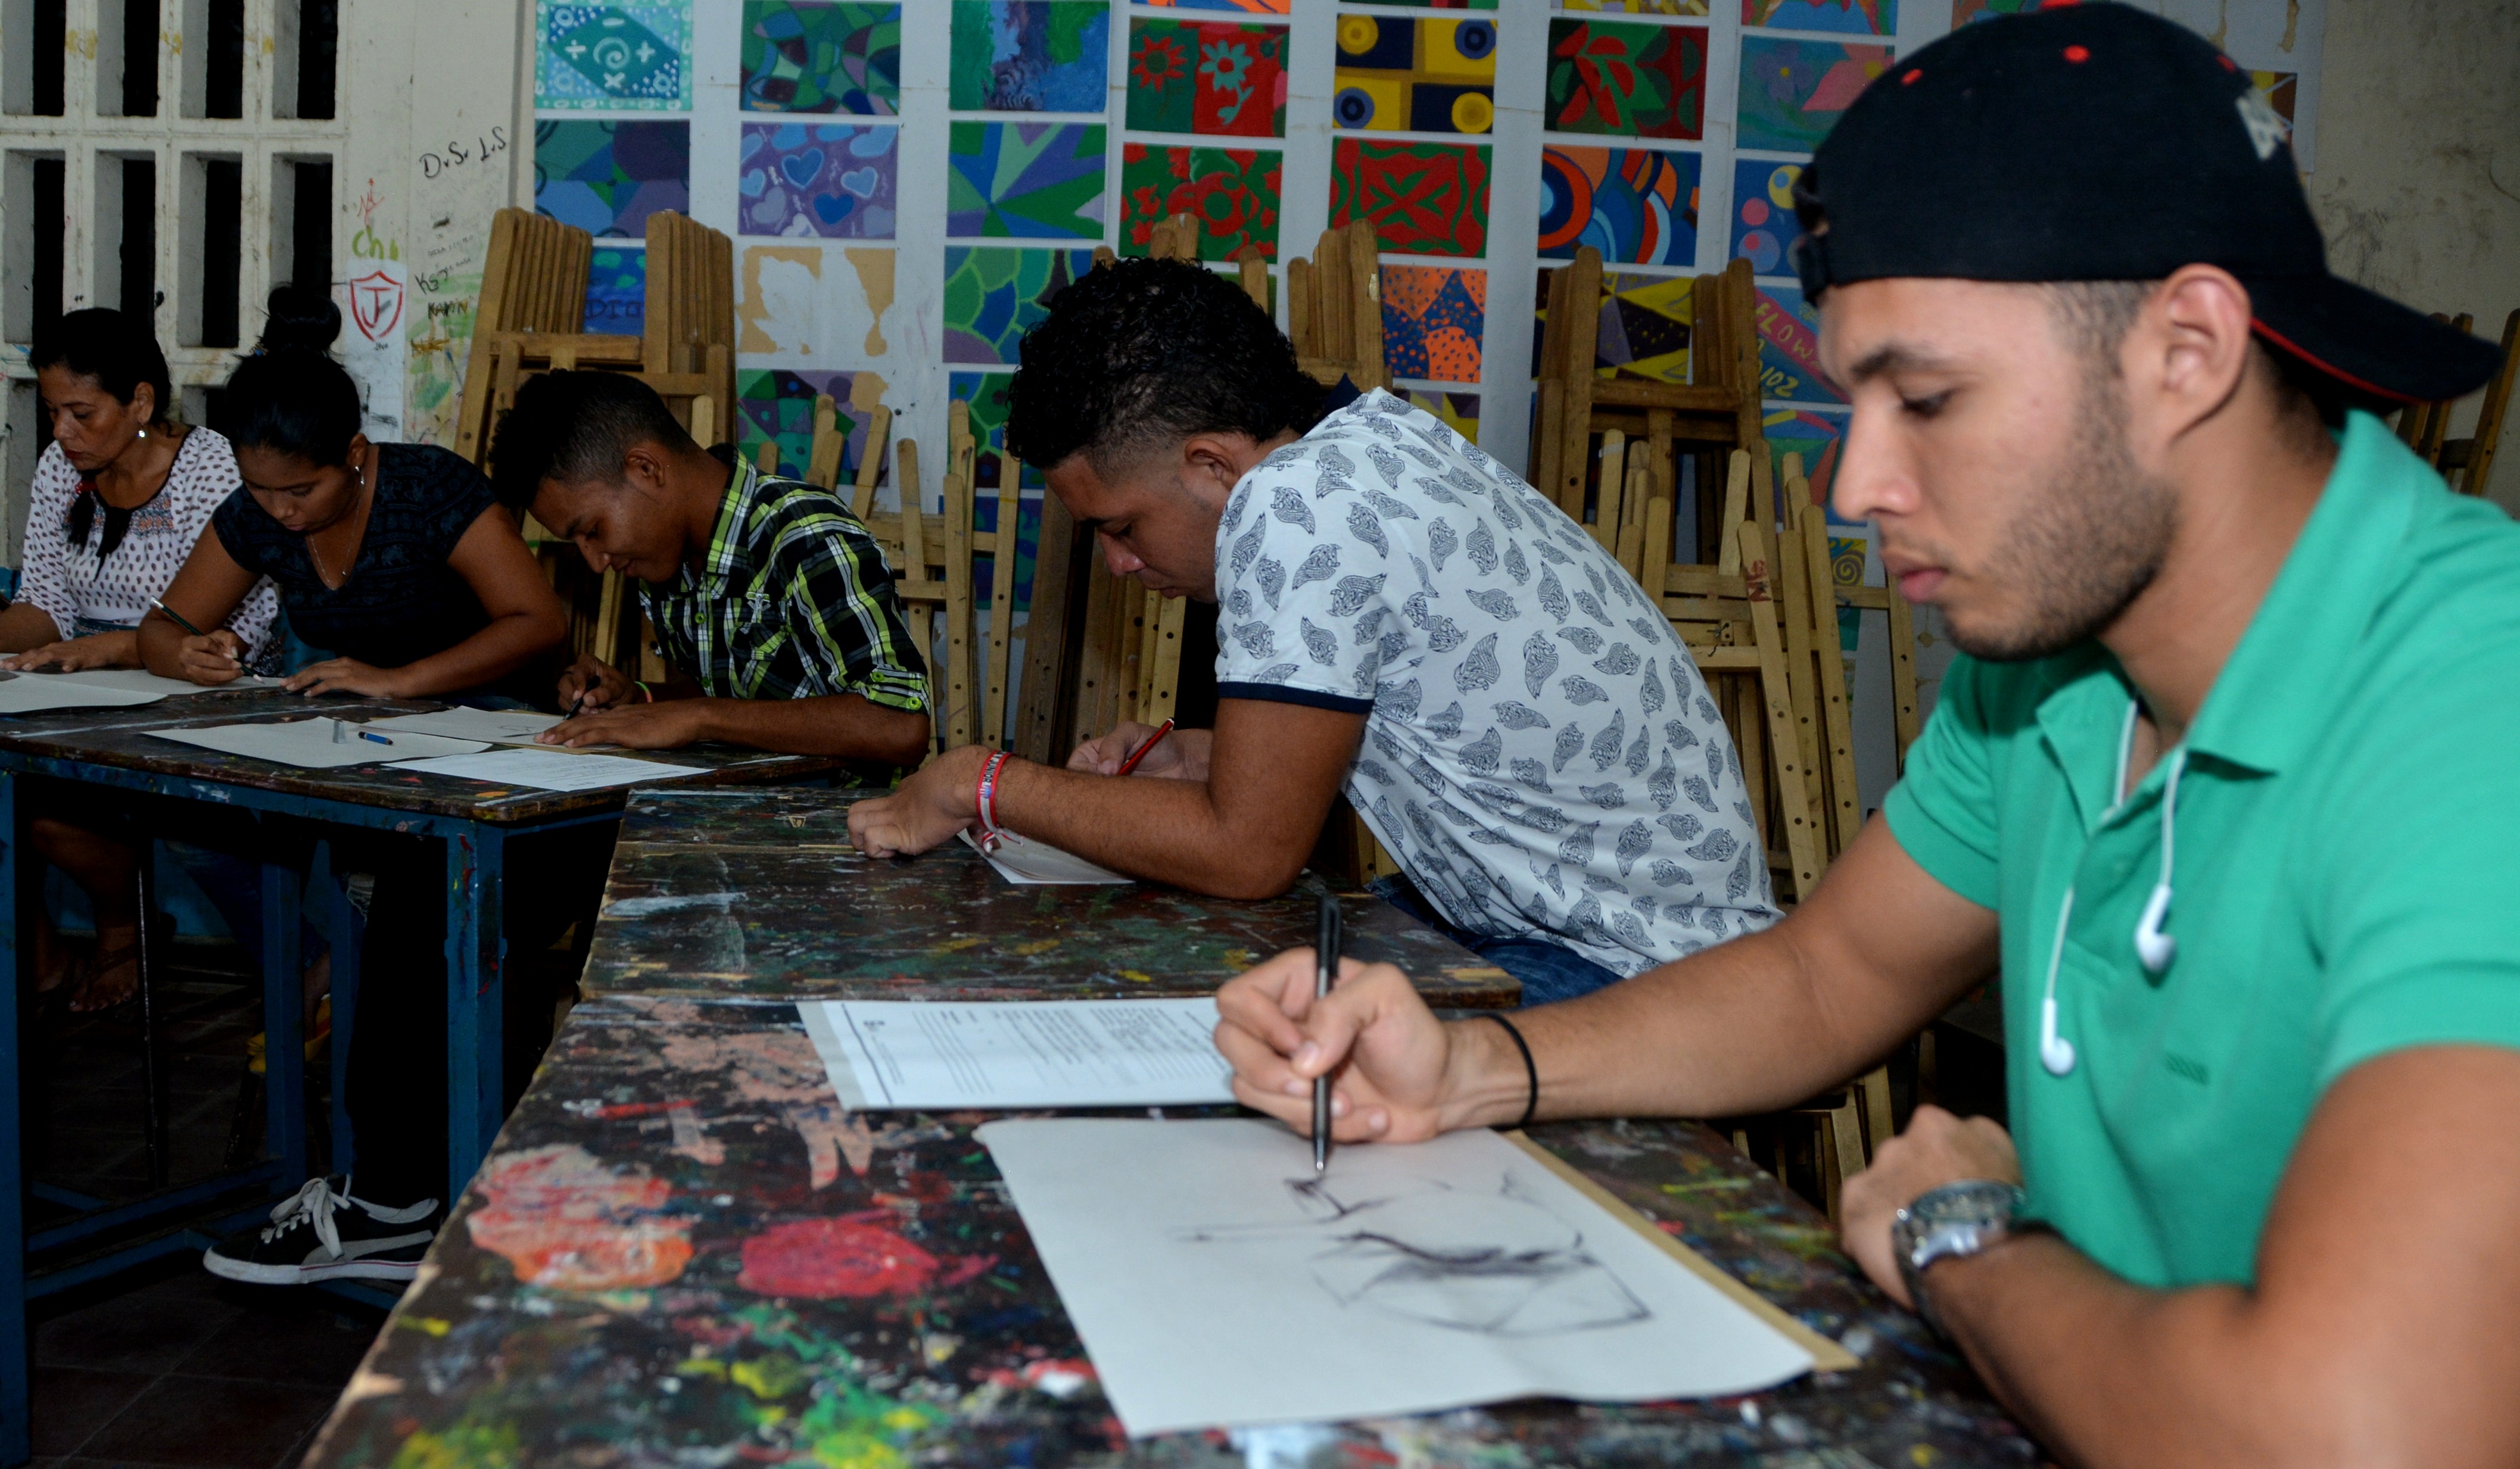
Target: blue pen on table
{"x": 373, "y": 737}
{"x": 1326, "y": 963}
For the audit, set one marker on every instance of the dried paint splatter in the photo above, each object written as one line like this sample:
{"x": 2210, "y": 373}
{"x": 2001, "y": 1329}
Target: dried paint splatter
{"x": 820, "y": 1258}
{"x": 565, "y": 1221}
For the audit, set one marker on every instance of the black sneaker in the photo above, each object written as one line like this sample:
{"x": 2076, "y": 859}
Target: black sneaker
{"x": 323, "y": 1233}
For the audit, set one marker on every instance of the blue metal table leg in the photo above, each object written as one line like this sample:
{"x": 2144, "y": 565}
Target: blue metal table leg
{"x": 343, "y": 933}
{"x": 283, "y": 995}
{"x": 475, "y": 955}
{"x": 16, "y": 1441}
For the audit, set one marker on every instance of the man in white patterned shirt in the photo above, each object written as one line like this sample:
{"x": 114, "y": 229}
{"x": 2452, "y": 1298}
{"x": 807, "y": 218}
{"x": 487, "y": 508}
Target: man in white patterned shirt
{"x": 1401, "y": 616}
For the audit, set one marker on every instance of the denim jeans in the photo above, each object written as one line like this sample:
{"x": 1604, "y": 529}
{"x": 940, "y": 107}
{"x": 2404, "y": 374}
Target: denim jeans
{"x": 1547, "y": 971}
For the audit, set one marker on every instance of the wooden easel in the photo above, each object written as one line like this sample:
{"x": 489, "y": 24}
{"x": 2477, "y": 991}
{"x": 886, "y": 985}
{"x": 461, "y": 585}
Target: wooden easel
{"x": 2467, "y": 464}
{"x": 1334, "y": 307}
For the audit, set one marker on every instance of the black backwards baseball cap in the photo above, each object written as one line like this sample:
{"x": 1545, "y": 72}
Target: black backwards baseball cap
{"x": 2095, "y": 142}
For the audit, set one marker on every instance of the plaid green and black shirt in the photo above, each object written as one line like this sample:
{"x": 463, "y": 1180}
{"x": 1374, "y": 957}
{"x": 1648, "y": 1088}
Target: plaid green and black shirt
{"x": 795, "y": 600}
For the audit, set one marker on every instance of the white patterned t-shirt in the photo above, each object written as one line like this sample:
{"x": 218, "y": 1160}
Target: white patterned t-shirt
{"x": 87, "y": 594}
{"x": 1540, "y": 755}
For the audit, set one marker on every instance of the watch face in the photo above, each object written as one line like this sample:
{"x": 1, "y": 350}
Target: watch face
{"x": 1975, "y": 1201}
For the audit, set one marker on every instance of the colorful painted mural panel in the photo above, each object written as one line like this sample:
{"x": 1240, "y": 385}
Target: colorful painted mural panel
{"x": 1420, "y": 77}
{"x": 620, "y": 56}
{"x": 1031, "y": 56}
{"x": 813, "y": 56}
{"x": 1636, "y": 205}
{"x": 607, "y": 177}
{"x": 1434, "y": 320}
{"x": 1207, "y": 77}
{"x": 1763, "y": 226}
{"x": 1424, "y": 199}
{"x": 827, "y": 180}
{"x": 1028, "y": 180}
{"x": 1792, "y": 92}
{"x": 1789, "y": 348}
{"x": 994, "y": 295}
{"x": 1630, "y": 80}
{"x": 1873, "y": 17}
{"x": 1231, "y": 191}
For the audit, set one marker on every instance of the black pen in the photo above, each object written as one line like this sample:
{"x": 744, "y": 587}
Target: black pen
{"x": 1326, "y": 963}
{"x": 183, "y": 622}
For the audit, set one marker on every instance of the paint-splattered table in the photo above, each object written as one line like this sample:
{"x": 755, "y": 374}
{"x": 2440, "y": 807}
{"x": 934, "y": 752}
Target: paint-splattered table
{"x": 759, "y": 893}
{"x": 109, "y": 751}
{"x": 682, "y": 1251}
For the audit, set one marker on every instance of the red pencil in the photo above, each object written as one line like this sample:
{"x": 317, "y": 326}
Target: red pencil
{"x": 1140, "y": 753}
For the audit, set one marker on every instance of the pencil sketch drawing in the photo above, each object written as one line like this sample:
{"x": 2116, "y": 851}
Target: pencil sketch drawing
{"x": 1502, "y": 1265}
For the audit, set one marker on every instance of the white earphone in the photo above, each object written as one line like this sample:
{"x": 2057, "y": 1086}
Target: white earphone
{"x": 2154, "y": 948}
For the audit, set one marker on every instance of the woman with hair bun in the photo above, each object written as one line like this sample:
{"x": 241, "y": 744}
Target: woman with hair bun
{"x": 120, "y": 494}
{"x": 395, "y": 559}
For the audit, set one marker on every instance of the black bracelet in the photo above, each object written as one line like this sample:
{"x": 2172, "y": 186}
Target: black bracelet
{"x": 1530, "y": 1067}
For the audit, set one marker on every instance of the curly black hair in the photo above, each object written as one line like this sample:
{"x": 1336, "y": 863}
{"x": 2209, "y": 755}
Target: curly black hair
{"x": 1142, "y": 353}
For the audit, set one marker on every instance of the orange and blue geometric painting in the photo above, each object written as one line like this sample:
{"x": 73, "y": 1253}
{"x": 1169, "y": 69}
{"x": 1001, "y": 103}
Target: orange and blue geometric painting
{"x": 1246, "y": 6}
{"x": 1873, "y": 17}
{"x": 1433, "y": 318}
{"x": 1792, "y": 92}
{"x": 1763, "y": 226}
{"x": 1965, "y": 10}
{"x": 1423, "y": 76}
{"x": 1636, "y": 205}
{"x": 1031, "y": 56}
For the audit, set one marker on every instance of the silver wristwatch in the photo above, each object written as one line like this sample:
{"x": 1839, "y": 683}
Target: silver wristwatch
{"x": 1955, "y": 1219}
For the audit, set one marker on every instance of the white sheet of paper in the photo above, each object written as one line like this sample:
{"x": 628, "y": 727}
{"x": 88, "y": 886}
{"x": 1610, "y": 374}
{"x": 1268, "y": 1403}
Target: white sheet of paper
{"x": 1216, "y": 1281}
{"x": 309, "y": 743}
{"x": 1039, "y": 863}
{"x": 552, "y": 769}
{"x": 890, "y": 1053}
{"x": 36, "y": 692}
{"x": 490, "y": 725}
{"x": 142, "y": 681}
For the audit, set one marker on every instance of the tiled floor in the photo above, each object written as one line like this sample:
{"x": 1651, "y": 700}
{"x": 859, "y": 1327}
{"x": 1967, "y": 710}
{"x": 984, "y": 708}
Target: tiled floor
{"x": 186, "y": 1370}
{"x": 166, "y": 1365}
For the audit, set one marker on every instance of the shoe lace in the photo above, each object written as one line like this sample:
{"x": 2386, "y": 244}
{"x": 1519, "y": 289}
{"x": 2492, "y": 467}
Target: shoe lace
{"x": 314, "y": 1204}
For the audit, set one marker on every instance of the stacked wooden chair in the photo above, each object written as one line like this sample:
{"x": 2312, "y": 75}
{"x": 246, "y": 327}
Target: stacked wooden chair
{"x": 2467, "y": 464}
{"x": 1759, "y": 614}
{"x": 533, "y": 305}
{"x": 1334, "y": 307}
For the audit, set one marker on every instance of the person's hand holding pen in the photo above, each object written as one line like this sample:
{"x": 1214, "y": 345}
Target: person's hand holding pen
{"x": 214, "y": 657}
{"x": 1181, "y": 755}
{"x": 590, "y": 684}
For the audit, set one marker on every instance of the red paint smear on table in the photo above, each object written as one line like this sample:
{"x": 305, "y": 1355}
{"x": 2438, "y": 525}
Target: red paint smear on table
{"x": 564, "y": 1219}
{"x": 821, "y": 1258}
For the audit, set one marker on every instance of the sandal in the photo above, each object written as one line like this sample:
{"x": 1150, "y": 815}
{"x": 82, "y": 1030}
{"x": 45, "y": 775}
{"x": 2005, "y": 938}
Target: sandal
{"x": 84, "y": 1002}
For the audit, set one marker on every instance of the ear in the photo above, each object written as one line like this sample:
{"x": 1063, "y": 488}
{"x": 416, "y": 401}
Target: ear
{"x": 359, "y": 447}
{"x": 644, "y": 467}
{"x": 2189, "y": 353}
{"x": 144, "y": 402}
{"x": 1214, "y": 464}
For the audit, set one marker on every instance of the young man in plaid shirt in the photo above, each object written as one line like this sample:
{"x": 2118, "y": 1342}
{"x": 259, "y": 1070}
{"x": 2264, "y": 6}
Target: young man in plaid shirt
{"x": 772, "y": 603}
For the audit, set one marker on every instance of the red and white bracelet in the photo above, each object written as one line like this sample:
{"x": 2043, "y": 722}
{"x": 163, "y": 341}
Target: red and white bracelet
{"x": 986, "y": 799}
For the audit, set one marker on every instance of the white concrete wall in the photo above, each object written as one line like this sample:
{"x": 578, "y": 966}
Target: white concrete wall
{"x": 2418, "y": 176}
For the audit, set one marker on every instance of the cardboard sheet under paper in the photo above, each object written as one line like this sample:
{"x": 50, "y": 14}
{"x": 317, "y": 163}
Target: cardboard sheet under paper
{"x": 1215, "y": 1281}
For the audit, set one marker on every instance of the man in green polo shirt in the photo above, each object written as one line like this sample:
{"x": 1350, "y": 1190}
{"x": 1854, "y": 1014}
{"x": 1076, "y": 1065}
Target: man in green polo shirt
{"x": 2223, "y": 790}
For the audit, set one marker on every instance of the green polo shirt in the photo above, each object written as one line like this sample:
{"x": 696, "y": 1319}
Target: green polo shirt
{"x": 2346, "y": 829}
